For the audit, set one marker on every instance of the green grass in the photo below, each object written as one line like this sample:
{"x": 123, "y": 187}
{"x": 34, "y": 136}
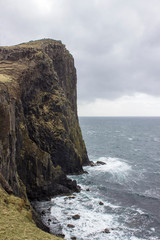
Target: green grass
{"x": 16, "y": 220}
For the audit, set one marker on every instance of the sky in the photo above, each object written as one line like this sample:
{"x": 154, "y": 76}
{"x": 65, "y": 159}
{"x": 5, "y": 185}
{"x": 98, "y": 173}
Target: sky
{"x": 115, "y": 44}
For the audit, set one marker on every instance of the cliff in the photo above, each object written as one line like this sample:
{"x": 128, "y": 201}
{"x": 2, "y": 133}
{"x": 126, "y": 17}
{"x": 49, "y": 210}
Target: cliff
{"x": 40, "y": 137}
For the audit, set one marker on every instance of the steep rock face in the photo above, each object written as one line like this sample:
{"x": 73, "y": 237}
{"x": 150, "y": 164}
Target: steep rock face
{"x": 40, "y": 137}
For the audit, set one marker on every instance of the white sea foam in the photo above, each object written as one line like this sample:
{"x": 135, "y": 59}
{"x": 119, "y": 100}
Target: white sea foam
{"x": 137, "y": 149}
{"x": 140, "y": 211}
{"x": 156, "y": 139}
{"x": 90, "y": 132}
{"x": 130, "y": 139}
{"x": 113, "y": 165}
{"x": 93, "y": 218}
{"x": 153, "y": 193}
{"x": 118, "y": 169}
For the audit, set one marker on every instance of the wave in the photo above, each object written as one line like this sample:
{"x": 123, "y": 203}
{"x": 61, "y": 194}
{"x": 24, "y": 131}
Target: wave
{"x": 115, "y": 168}
{"x": 156, "y": 139}
{"x": 152, "y": 193}
{"x": 91, "y": 132}
{"x": 113, "y": 165}
{"x": 130, "y": 139}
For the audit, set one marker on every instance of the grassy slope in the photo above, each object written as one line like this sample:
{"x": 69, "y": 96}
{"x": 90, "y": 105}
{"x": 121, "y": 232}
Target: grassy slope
{"x": 16, "y": 220}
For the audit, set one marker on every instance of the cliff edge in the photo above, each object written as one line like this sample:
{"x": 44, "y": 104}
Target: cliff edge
{"x": 40, "y": 137}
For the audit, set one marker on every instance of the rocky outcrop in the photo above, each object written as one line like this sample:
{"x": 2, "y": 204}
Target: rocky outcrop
{"x": 40, "y": 137}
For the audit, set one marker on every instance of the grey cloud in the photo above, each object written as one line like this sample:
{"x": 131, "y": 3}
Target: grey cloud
{"x": 115, "y": 43}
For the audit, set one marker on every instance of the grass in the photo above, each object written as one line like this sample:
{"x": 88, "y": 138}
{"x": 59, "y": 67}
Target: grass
{"x": 16, "y": 220}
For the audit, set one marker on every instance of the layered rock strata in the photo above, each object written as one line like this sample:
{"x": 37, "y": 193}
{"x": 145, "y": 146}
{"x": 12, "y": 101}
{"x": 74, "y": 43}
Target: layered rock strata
{"x": 40, "y": 137}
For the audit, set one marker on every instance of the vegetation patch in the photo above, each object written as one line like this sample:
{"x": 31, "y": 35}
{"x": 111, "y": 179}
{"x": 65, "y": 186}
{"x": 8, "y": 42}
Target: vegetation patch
{"x": 16, "y": 220}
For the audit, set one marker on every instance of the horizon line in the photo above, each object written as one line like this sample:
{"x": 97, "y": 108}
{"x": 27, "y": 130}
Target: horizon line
{"x": 123, "y": 116}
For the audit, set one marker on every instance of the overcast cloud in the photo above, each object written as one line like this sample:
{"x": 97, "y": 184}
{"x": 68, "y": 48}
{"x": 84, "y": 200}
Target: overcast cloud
{"x": 115, "y": 44}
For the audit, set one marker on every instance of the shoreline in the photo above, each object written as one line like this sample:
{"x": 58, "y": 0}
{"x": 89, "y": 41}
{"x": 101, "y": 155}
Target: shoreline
{"x": 43, "y": 207}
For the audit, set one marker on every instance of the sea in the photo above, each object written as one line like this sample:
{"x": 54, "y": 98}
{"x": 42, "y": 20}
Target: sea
{"x": 119, "y": 200}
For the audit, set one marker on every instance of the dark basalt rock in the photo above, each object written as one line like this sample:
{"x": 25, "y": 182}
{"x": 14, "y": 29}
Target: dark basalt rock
{"x": 40, "y": 137}
{"x": 93, "y": 164}
{"x": 43, "y": 212}
{"x": 101, "y": 203}
{"x": 76, "y": 216}
{"x": 100, "y": 163}
{"x": 106, "y": 230}
{"x": 60, "y": 235}
{"x": 70, "y": 226}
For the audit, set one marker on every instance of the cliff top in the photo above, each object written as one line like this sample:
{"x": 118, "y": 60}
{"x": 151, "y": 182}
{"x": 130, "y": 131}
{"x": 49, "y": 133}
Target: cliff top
{"x": 15, "y": 59}
{"x": 35, "y": 44}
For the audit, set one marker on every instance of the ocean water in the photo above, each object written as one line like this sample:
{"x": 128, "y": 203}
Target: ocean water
{"x": 124, "y": 194}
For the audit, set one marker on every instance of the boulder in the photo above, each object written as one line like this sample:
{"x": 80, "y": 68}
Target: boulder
{"x": 70, "y": 226}
{"x": 76, "y": 216}
{"x": 106, "y": 230}
{"x": 100, "y": 163}
{"x": 43, "y": 212}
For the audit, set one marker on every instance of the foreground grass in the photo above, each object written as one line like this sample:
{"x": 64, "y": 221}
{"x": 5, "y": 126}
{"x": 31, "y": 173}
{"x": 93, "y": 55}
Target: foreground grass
{"x": 16, "y": 220}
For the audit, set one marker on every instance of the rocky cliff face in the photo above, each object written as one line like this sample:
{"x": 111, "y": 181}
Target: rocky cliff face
{"x": 40, "y": 137}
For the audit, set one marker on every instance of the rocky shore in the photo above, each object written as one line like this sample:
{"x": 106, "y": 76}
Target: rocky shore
{"x": 40, "y": 137}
